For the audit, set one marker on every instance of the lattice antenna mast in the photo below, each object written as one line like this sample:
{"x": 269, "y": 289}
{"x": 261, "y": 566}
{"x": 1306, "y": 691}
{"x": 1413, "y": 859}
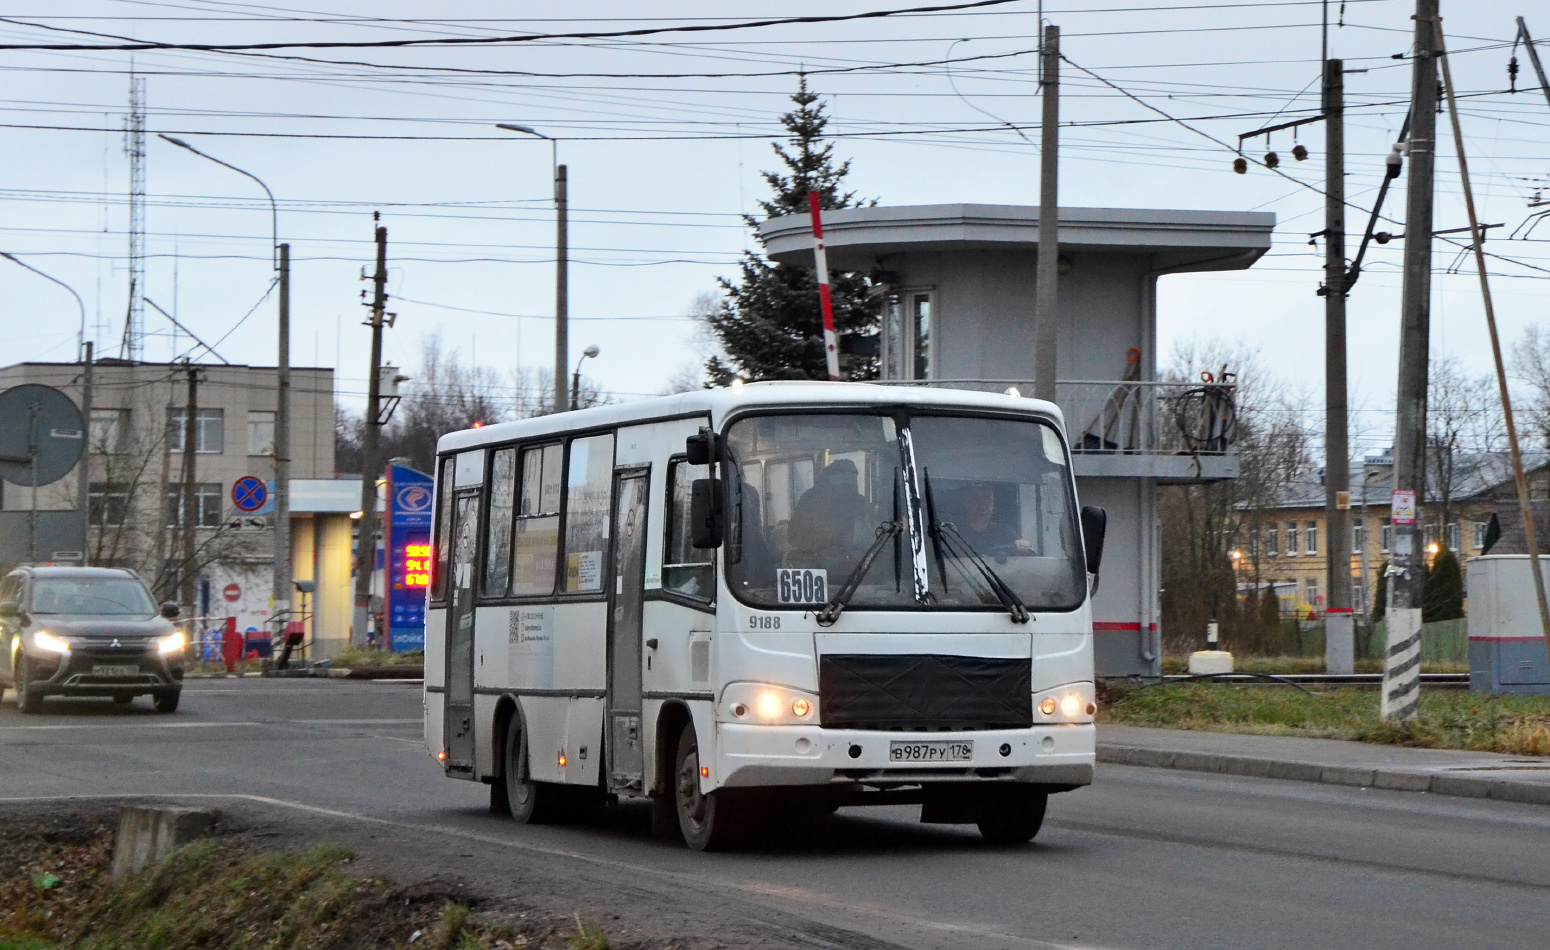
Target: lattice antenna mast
{"x": 133, "y": 345}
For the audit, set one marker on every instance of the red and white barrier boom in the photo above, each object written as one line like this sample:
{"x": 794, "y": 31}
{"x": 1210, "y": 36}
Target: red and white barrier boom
{"x": 831, "y": 350}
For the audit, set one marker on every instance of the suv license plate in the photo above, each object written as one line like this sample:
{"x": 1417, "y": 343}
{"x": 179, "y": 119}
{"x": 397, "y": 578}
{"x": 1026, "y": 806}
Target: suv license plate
{"x": 930, "y": 751}
{"x": 115, "y": 669}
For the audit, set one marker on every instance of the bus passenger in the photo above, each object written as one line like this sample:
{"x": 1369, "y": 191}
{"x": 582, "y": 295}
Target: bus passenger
{"x": 824, "y": 523}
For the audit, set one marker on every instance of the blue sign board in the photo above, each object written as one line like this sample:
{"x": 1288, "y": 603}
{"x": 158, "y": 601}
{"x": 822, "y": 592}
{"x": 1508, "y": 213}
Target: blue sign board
{"x": 409, "y": 562}
{"x": 249, "y": 493}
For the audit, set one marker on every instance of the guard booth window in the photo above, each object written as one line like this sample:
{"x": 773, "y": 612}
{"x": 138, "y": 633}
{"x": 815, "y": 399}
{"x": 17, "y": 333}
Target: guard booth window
{"x": 688, "y": 570}
{"x": 908, "y": 331}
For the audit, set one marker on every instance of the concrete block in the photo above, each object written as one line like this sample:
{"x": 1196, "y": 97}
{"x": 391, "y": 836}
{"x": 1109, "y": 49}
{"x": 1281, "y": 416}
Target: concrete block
{"x": 1243, "y": 765}
{"x": 1205, "y": 662}
{"x": 1135, "y": 755}
{"x": 1532, "y": 793}
{"x": 1346, "y": 775}
{"x": 1402, "y": 781}
{"x": 148, "y": 833}
{"x": 1200, "y": 761}
{"x": 1296, "y": 771}
{"x": 1462, "y": 786}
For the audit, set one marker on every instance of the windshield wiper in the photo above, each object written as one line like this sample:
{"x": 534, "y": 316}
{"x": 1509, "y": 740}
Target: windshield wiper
{"x": 947, "y": 537}
{"x": 831, "y": 611}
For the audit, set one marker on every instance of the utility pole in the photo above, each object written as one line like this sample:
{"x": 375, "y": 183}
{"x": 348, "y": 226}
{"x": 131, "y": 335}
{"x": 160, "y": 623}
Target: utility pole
{"x": 282, "y": 449}
{"x": 366, "y": 525}
{"x": 1402, "y": 656}
{"x": 83, "y": 491}
{"x": 1045, "y": 292}
{"x": 190, "y": 515}
{"x": 561, "y": 289}
{"x": 1339, "y": 635}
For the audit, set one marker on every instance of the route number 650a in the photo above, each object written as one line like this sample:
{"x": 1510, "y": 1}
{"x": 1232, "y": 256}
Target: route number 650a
{"x": 802, "y": 585}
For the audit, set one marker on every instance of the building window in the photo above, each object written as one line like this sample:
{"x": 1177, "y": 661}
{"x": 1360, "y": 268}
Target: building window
{"x": 1359, "y": 595}
{"x": 1428, "y": 534}
{"x": 1291, "y": 539}
{"x": 1477, "y": 534}
{"x": 1385, "y": 536}
{"x": 1311, "y": 587}
{"x": 207, "y": 505}
{"x": 1358, "y": 536}
{"x": 1450, "y": 536}
{"x": 107, "y": 503}
{"x": 1253, "y": 534}
{"x": 209, "y": 430}
{"x": 1270, "y": 541}
{"x": 260, "y": 432}
{"x": 110, "y": 431}
{"x": 906, "y": 336}
{"x": 1310, "y": 535}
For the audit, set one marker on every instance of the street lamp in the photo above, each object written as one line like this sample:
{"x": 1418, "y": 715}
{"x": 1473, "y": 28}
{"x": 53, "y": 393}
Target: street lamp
{"x": 281, "y": 259}
{"x": 575, "y": 378}
{"x": 561, "y": 263}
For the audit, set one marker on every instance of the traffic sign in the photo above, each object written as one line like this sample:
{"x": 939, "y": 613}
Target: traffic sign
{"x": 1402, "y": 507}
{"x": 248, "y": 493}
{"x": 232, "y": 593}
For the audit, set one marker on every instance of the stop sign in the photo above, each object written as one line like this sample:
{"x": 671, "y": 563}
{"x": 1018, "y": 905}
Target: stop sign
{"x": 232, "y": 592}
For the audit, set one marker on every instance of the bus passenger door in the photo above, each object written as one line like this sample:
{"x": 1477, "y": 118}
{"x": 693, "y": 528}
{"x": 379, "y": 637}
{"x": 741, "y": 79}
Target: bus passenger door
{"x": 625, "y": 761}
{"x": 458, "y": 723}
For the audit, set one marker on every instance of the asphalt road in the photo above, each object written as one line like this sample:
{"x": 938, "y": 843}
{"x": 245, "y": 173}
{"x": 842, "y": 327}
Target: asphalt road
{"x": 1144, "y": 858}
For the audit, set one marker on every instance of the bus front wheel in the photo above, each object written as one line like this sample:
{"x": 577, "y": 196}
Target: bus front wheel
{"x": 1011, "y": 815}
{"x": 709, "y": 822}
{"x": 529, "y": 802}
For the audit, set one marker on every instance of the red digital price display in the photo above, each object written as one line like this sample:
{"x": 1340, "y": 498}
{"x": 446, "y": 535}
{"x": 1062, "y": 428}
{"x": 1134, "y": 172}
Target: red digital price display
{"x": 417, "y": 565}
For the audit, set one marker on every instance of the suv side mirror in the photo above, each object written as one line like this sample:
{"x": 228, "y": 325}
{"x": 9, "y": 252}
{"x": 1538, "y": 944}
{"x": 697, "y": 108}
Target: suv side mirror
{"x": 10, "y": 609}
{"x": 169, "y": 610}
{"x": 706, "y": 518}
{"x": 1095, "y": 524}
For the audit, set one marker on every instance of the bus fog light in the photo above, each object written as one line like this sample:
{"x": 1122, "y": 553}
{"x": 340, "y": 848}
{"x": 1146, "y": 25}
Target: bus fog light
{"x": 1071, "y": 704}
{"x": 1047, "y": 743}
{"x": 1047, "y": 707}
{"x": 769, "y": 706}
{"x": 800, "y": 707}
{"x": 739, "y": 710}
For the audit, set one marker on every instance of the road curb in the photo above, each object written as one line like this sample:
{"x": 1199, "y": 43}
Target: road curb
{"x": 1408, "y": 780}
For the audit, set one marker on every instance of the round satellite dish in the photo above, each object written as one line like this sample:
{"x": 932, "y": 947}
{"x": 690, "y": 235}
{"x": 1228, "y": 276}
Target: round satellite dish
{"x": 41, "y": 435}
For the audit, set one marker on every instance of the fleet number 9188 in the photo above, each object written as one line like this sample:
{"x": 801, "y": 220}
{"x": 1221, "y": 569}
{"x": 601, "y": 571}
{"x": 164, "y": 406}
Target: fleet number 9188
{"x": 763, "y": 622}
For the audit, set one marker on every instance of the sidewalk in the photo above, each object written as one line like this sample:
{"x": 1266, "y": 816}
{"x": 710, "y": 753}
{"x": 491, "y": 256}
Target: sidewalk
{"x": 1332, "y": 762}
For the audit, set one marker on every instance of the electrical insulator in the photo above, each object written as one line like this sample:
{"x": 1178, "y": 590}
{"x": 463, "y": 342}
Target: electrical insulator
{"x": 1240, "y": 165}
{"x": 1512, "y": 73}
{"x": 1272, "y": 159}
{"x": 1300, "y": 152}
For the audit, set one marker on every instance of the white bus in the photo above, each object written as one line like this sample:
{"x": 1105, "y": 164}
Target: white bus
{"x": 764, "y": 603}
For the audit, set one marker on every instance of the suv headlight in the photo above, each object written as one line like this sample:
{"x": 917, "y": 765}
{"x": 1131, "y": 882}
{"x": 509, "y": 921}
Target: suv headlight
{"x": 767, "y": 705}
{"x": 1073, "y": 702}
{"x": 44, "y": 640}
{"x": 171, "y": 643}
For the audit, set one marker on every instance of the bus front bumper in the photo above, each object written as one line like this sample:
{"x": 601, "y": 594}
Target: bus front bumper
{"x": 751, "y": 755}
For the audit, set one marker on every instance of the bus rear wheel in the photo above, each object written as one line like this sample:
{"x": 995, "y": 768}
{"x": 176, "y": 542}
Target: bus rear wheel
{"x": 1011, "y": 815}
{"x": 530, "y": 802}
{"x": 709, "y": 822}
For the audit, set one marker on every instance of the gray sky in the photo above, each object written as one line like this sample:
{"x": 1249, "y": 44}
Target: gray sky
{"x": 661, "y": 167}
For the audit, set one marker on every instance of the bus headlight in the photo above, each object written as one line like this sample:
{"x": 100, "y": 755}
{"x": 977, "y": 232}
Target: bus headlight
{"x": 1073, "y": 702}
{"x": 764, "y": 704}
{"x": 44, "y": 640}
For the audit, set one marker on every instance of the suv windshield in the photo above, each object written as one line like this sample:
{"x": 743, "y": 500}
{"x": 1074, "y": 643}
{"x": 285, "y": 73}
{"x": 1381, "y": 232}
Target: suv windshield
{"x": 99, "y": 596}
{"x": 815, "y": 493}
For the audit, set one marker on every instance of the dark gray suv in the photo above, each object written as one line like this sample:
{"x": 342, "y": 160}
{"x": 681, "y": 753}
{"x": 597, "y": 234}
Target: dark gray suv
{"x": 88, "y": 631}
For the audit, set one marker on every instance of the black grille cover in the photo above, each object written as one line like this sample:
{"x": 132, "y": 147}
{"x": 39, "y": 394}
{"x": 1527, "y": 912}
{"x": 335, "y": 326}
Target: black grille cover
{"x": 914, "y": 692}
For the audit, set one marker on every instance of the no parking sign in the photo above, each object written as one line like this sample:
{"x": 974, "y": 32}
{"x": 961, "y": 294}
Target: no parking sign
{"x": 249, "y": 493}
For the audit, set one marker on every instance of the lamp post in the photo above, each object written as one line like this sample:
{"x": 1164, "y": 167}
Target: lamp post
{"x": 561, "y": 262}
{"x": 83, "y": 489}
{"x": 282, "y": 416}
{"x": 575, "y": 378}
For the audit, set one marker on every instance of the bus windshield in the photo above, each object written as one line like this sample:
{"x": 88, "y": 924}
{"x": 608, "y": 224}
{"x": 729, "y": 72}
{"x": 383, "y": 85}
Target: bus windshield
{"x": 821, "y": 499}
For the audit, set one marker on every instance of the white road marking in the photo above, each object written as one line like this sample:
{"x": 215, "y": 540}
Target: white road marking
{"x": 129, "y": 725}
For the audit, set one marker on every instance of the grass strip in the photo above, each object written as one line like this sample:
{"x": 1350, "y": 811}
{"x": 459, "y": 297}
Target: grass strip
{"x": 1449, "y": 719}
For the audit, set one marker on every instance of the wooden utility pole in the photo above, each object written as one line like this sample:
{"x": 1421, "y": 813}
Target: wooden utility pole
{"x": 366, "y": 524}
{"x": 84, "y": 489}
{"x": 1402, "y": 655}
{"x": 1339, "y": 635}
{"x": 561, "y": 289}
{"x": 282, "y": 449}
{"x": 190, "y": 515}
{"x": 1045, "y": 331}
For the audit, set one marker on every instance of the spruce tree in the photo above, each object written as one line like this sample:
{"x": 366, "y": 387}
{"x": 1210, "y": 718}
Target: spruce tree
{"x": 1442, "y": 592}
{"x": 770, "y": 323}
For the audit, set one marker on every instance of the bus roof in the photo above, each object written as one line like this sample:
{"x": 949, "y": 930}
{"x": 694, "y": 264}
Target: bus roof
{"x": 717, "y": 403}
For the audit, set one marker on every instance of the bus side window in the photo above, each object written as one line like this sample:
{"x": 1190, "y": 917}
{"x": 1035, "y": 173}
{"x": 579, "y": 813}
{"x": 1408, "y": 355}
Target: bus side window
{"x": 686, "y": 570}
{"x": 588, "y": 485}
{"x": 497, "y": 551}
{"x": 443, "y": 531}
{"x": 537, "y": 524}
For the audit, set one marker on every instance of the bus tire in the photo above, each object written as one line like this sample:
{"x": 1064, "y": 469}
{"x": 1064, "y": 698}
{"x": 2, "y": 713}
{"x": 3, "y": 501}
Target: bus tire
{"x": 1011, "y": 815}
{"x": 713, "y": 822}
{"x": 529, "y": 802}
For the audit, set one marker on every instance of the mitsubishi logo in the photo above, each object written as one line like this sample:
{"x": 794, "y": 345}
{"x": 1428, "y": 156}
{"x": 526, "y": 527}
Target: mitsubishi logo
{"x": 116, "y": 644}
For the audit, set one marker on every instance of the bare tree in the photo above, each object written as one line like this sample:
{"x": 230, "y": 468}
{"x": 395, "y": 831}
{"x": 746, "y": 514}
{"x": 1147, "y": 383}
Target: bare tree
{"x": 702, "y": 347}
{"x": 1531, "y": 363}
{"x": 1464, "y": 425}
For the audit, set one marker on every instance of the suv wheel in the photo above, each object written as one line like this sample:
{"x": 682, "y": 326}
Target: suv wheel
{"x": 166, "y": 701}
{"x": 28, "y": 700}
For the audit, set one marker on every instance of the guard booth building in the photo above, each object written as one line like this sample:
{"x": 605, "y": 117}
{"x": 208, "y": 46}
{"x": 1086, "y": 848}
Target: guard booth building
{"x": 959, "y": 312}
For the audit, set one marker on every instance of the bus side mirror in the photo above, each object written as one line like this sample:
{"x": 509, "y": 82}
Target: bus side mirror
{"x": 1095, "y": 523}
{"x": 702, "y": 448}
{"x": 706, "y": 520}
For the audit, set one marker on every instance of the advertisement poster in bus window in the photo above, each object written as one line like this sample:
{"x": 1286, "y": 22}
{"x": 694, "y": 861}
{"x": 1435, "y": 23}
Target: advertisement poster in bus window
{"x": 410, "y": 560}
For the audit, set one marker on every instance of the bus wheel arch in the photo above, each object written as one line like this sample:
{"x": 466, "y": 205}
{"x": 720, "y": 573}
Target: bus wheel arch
{"x": 671, "y": 720}
{"x": 506, "y": 712}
